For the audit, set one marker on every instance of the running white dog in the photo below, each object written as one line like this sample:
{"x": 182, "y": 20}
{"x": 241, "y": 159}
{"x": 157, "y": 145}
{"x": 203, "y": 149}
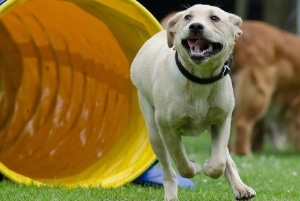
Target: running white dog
{"x": 184, "y": 89}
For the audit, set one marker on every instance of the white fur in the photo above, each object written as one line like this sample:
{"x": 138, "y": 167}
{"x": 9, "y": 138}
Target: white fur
{"x": 174, "y": 106}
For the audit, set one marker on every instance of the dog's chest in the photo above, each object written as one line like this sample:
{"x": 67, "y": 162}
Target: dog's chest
{"x": 191, "y": 116}
{"x": 192, "y": 120}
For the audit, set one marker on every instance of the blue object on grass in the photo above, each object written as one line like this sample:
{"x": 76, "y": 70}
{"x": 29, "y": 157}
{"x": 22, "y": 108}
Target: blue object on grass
{"x": 2, "y": 1}
{"x": 153, "y": 176}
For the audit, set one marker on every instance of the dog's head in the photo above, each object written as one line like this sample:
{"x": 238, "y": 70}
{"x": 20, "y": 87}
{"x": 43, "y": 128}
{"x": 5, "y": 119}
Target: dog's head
{"x": 203, "y": 31}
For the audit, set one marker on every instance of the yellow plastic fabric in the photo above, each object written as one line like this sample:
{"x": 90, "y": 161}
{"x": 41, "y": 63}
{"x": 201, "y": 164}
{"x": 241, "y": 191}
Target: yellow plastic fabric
{"x": 69, "y": 113}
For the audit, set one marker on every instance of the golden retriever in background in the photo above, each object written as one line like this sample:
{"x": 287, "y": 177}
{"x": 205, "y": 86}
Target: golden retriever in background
{"x": 183, "y": 88}
{"x": 266, "y": 66}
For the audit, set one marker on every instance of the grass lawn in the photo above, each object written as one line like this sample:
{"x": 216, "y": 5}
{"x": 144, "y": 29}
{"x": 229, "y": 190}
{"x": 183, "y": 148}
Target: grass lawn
{"x": 274, "y": 176}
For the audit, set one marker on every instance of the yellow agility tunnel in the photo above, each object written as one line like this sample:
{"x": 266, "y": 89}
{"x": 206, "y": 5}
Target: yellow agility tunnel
{"x": 69, "y": 114}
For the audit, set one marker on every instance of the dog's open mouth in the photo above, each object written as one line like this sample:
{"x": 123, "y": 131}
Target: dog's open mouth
{"x": 200, "y": 48}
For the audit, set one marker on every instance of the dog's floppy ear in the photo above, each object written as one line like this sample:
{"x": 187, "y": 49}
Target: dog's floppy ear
{"x": 171, "y": 28}
{"x": 237, "y": 22}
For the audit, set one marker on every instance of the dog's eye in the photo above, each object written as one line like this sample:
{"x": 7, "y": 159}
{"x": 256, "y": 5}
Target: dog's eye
{"x": 187, "y": 17}
{"x": 215, "y": 18}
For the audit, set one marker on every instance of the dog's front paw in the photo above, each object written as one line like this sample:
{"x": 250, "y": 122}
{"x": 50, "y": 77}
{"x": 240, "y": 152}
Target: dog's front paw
{"x": 189, "y": 170}
{"x": 197, "y": 169}
{"x": 213, "y": 169}
{"x": 244, "y": 193}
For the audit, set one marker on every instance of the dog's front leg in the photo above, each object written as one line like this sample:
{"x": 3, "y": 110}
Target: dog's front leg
{"x": 240, "y": 190}
{"x": 173, "y": 142}
{"x": 169, "y": 175}
{"x": 220, "y": 133}
{"x": 221, "y": 162}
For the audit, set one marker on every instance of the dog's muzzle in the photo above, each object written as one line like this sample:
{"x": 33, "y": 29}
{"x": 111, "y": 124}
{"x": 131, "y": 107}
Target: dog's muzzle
{"x": 197, "y": 46}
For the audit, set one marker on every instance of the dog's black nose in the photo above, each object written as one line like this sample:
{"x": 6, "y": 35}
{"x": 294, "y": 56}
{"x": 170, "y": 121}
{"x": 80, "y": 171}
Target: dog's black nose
{"x": 196, "y": 27}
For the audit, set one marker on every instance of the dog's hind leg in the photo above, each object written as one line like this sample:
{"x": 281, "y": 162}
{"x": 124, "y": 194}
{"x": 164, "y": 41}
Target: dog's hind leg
{"x": 240, "y": 190}
{"x": 169, "y": 176}
{"x": 253, "y": 95}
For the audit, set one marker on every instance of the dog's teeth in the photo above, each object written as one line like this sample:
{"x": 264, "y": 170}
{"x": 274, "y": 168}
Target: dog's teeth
{"x": 195, "y": 49}
{"x": 210, "y": 48}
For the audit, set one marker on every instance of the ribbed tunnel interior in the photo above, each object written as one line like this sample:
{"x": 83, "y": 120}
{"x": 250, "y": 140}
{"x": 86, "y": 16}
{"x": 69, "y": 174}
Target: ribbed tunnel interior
{"x": 68, "y": 108}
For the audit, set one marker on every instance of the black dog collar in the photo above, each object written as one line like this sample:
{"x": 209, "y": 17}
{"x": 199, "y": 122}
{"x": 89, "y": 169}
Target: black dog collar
{"x": 193, "y": 78}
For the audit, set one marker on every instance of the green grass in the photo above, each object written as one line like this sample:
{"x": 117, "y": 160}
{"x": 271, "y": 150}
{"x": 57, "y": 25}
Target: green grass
{"x": 274, "y": 176}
